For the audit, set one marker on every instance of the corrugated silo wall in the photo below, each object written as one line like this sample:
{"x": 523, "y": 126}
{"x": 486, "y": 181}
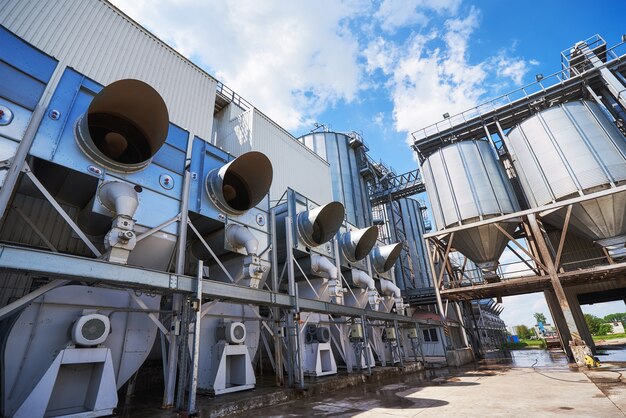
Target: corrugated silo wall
{"x": 97, "y": 40}
{"x": 295, "y": 166}
{"x": 348, "y": 185}
{"x": 413, "y": 225}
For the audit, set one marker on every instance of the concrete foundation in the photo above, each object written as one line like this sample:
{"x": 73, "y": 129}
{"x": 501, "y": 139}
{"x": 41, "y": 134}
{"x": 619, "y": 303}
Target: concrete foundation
{"x": 459, "y": 357}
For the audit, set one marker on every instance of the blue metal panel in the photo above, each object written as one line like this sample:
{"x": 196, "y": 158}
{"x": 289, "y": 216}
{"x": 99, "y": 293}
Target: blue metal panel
{"x": 177, "y": 137}
{"x": 55, "y": 141}
{"x": 23, "y": 56}
{"x": 204, "y": 158}
{"x": 18, "y": 87}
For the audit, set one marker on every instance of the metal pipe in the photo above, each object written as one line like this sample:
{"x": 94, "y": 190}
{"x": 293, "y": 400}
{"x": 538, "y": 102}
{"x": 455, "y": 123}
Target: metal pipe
{"x": 10, "y": 180}
{"x": 193, "y": 386}
{"x": 366, "y": 344}
{"x": 177, "y": 298}
{"x": 438, "y": 297}
{"x": 398, "y": 339}
{"x": 278, "y": 351}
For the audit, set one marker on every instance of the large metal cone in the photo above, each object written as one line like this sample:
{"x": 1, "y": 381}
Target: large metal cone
{"x": 483, "y": 244}
{"x": 597, "y": 219}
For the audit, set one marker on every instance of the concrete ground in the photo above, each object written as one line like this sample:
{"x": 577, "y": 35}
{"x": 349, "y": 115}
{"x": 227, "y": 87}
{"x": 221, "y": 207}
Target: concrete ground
{"x": 534, "y": 382}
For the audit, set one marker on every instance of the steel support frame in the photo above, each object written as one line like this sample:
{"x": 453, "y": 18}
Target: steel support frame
{"x": 547, "y": 263}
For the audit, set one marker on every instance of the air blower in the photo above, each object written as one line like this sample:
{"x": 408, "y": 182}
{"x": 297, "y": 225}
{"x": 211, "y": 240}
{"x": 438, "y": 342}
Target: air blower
{"x": 81, "y": 379}
{"x": 91, "y": 330}
{"x": 225, "y": 364}
{"x": 232, "y": 333}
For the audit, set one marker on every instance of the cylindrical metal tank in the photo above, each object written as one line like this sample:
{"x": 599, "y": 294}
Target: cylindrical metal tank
{"x": 412, "y": 268}
{"x": 466, "y": 184}
{"x": 569, "y": 150}
{"x": 346, "y": 156}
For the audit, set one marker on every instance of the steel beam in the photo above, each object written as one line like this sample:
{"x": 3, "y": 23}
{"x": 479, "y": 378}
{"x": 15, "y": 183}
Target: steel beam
{"x": 97, "y": 271}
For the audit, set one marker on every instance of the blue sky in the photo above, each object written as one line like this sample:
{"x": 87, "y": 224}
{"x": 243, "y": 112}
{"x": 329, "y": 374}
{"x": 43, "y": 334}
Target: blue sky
{"x": 383, "y": 68}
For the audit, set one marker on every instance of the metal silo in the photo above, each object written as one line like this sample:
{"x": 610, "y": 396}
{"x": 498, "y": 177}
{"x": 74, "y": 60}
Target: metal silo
{"x": 412, "y": 271}
{"x": 571, "y": 150}
{"x": 466, "y": 184}
{"x": 346, "y": 155}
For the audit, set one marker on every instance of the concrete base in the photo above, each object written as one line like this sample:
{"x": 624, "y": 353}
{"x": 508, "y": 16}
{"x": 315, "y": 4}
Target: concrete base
{"x": 579, "y": 352}
{"x": 459, "y": 357}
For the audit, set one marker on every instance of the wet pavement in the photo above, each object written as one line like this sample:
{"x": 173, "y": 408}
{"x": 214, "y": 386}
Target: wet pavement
{"x": 529, "y": 382}
{"x": 520, "y": 383}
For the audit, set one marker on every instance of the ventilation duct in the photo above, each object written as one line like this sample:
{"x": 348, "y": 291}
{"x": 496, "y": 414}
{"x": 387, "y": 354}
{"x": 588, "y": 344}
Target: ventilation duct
{"x": 241, "y": 184}
{"x": 386, "y": 256}
{"x": 124, "y": 127}
{"x": 358, "y": 243}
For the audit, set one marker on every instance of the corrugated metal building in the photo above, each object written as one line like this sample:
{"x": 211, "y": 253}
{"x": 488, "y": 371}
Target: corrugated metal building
{"x": 295, "y": 166}
{"x": 101, "y": 42}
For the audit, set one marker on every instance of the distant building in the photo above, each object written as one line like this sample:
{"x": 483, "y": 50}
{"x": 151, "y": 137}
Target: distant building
{"x": 618, "y": 327}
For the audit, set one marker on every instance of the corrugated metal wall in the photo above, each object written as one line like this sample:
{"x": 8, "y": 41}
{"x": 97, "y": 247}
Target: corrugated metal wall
{"x": 413, "y": 225}
{"x": 96, "y": 39}
{"x": 348, "y": 185}
{"x": 295, "y": 165}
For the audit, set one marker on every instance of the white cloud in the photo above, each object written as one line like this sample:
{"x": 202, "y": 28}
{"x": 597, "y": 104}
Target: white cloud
{"x": 430, "y": 82}
{"x": 292, "y": 60}
{"x": 431, "y": 73}
{"x": 394, "y": 14}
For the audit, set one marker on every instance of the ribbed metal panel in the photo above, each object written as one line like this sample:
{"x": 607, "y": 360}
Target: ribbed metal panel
{"x": 465, "y": 183}
{"x": 99, "y": 41}
{"x": 47, "y": 220}
{"x": 348, "y": 185}
{"x": 14, "y": 286}
{"x": 566, "y": 149}
{"x": 578, "y": 252}
{"x": 295, "y": 166}
{"x": 413, "y": 225}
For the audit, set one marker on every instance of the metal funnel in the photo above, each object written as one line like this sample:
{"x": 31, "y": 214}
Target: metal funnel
{"x": 386, "y": 256}
{"x": 319, "y": 225}
{"x": 484, "y": 244}
{"x": 358, "y": 243}
{"x": 241, "y": 184}
{"x": 602, "y": 220}
{"x": 125, "y": 125}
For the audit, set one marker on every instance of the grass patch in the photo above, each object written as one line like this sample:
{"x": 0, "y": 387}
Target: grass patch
{"x": 608, "y": 337}
{"x": 525, "y": 344}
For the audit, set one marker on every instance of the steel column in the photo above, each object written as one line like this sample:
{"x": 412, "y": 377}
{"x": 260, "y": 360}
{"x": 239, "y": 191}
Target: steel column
{"x": 554, "y": 279}
{"x": 177, "y": 299}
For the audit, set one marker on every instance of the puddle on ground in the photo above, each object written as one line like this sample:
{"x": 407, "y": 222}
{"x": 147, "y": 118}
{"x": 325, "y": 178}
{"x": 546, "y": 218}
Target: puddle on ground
{"x": 538, "y": 358}
{"x": 609, "y": 353}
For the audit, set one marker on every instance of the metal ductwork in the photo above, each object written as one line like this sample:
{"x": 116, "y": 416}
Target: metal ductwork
{"x": 319, "y": 225}
{"x": 386, "y": 256}
{"x": 321, "y": 264}
{"x": 121, "y": 200}
{"x": 388, "y": 288}
{"x": 124, "y": 127}
{"x": 358, "y": 243}
{"x": 233, "y": 236}
{"x": 363, "y": 281}
{"x": 241, "y": 184}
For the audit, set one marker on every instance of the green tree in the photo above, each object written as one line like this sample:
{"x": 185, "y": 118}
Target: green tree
{"x": 604, "y": 329}
{"x": 620, "y": 317}
{"x": 523, "y": 332}
{"x": 593, "y": 322}
{"x": 540, "y": 317}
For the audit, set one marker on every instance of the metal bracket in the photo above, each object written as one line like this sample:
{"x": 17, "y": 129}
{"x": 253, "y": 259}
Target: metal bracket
{"x": 173, "y": 281}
